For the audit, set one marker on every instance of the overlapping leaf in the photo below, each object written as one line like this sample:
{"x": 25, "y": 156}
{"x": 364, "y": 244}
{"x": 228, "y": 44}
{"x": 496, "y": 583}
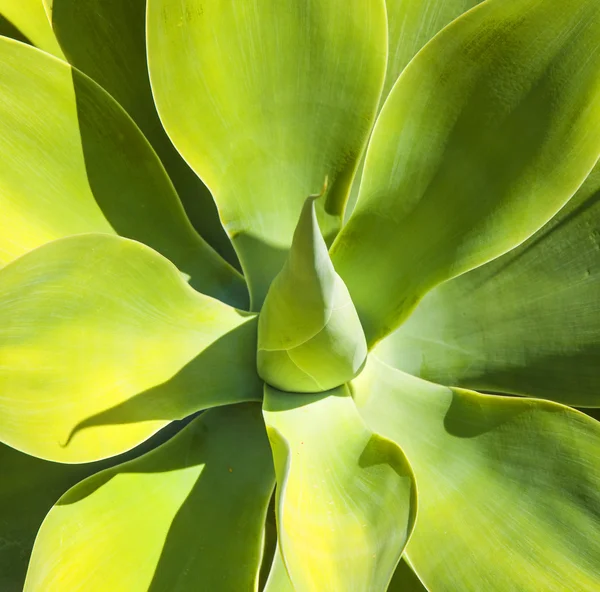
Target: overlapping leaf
{"x": 102, "y": 343}
{"x": 74, "y": 162}
{"x": 346, "y": 498}
{"x": 309, "y": 334}
{"x": 188, "y": 515}
{"x": 107, "y": 41}
{"x": 264, "y": 99}
{"x": 26, "y": 20}
{"x": 488, "y": 132}
{"x": 509, "y": 488}
{"x": 527, "y": 323}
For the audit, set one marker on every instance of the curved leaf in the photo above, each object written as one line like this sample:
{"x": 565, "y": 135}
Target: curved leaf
{"x": 509, "y": 488}
{"x": 527, "y": 323}
{"x": 188, "y": 515}
{"x": 309, "y": 336}
{"x": 103, "y": 343}
{"x": 26, "y": 20}
{"x": 405, "y": 579}
{"x": 485, "y": 136}
{"x": 106, "y": 39}
{"x": 72, "y": 161}
{"x": 29, "y": 487}
{"x": 279, "y": 579}
{"x": 346, "y": 498}
{"x": 411, "y": 24}
{"x": 264, "y": 98}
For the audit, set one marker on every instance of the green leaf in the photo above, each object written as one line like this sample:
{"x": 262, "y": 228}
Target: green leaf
{"x": 103, "y": 343}
{"x": 526, "y": 323}
{"x": 309, "y": 335}
{"x": 509, "y": 488}
{"x": 264, "y": 98}
{"x": 279, "y": 579}
{"x": 72, "y": 162}
{"x": 26, "y": 20}
{"x": 106, "y": 39}
{"x": 187, "y": 516}
{"x": 411, "y": 24}
{"x": 346, "y": 498}
{"x": 29, "y": 487}
{"x": 488, "y": 132}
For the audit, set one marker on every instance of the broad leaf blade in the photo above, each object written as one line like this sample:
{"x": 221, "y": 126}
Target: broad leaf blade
{"x": 527, "y": 323}
{"x": 411, "y": 24}
{"x": 264, "y": 99}
{"x": 488, "y": 132}
{"x": 346, "y": 498}
{"x": 107, "y": 41}
{"x": 72, "y": 161}
{"x": 103, "y": 343}
{"x": 188, "y": 515}
{"x": 29, "y": 487}
{"x": 509, "y": 488}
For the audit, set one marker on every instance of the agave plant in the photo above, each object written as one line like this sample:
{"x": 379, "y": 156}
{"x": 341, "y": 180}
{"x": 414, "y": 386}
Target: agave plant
{"x": 369, "y": 353}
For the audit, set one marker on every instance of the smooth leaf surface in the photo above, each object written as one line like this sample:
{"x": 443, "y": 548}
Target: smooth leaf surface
{"x": 527, "y": 323}
{"x": 279, "y": 579}
{"x": 103, "y": 343}
{"x": 346, "y": 497}
{"x": 509, "y": 488}
{"x": 106, "y": 39}
{"x": 264, "y": 99}
{"x": 309, "y": 335}
{"x": 488, "y": 132}
{"x": 29, "y": 487}
{"x": 26, "y": 20}
{"x": 72, "y": 161}
{"x": 411, "y": 24}
{"x": 173, "y": 519}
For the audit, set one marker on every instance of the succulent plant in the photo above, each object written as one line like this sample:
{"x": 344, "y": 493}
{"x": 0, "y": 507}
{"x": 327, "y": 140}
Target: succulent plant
{"x": 299, "y": 295}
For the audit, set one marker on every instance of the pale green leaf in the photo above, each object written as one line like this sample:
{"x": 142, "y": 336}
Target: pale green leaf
{"x": 279, "y": 579}
{"x": 411, "y": 24}
{"x": 264, "y": 98}
{"x": 186, "y": 516}
{"x": 72, "y": 161}
{"x": 29, "y": 487}
{"x": 527, "y": 323}
{"x": 26, "y": 20}
{"x": 309, "y": 335}
{"x": 346, "y": 498}
{"x": 106, "y": 39}
{"x": 103, "y": 343}
{"x": 509, "y": 488}
{"x": 487, "y": 133}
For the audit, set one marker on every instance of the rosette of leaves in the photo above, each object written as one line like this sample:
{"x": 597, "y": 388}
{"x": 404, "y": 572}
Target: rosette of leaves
{"x": 378, "y": 396}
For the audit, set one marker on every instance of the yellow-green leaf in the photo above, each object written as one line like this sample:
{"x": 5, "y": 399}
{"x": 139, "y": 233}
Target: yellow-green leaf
{"x": 264, "y": 99}
{"x": 527, "y": 323}
{"x": 102, "y": 343}
{"x": 509, "y": 488}
{"x": 106, "y": 39}
{"x": 186, "y": 516}
{"x": 346, "y": 497}
{"x": 487, "y": 133}
{"x": 72, "y": 161}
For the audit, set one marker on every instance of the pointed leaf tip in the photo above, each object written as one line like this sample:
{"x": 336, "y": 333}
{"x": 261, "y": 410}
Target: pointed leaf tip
{"x": 309, "y": 338}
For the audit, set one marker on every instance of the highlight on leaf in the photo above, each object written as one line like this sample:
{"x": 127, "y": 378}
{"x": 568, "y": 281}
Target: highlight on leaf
{"x": 212, "y": 378}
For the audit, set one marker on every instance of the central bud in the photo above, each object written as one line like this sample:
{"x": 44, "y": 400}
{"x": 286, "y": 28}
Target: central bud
{"x": 309, "y": 335}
